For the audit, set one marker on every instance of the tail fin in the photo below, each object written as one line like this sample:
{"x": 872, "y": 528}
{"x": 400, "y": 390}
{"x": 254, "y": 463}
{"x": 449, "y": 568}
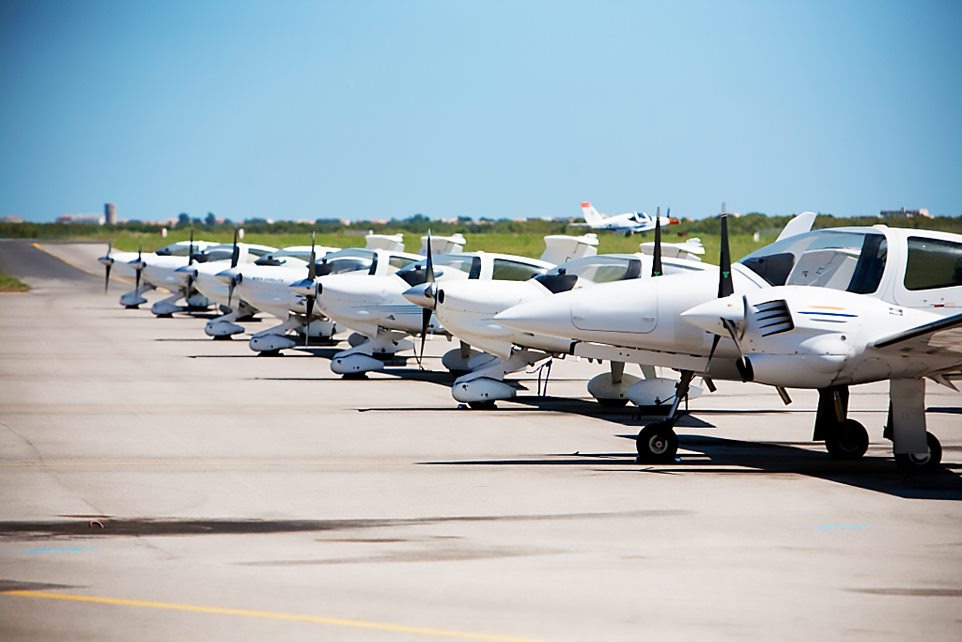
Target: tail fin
{"x": 592, "y": 217}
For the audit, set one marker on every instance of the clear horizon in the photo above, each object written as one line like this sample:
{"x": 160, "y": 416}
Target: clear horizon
{"x": 379, "y": 110}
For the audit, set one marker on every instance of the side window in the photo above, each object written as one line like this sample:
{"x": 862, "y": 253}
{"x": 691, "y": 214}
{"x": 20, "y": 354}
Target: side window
{"x": 933, "y": 263}
{"x": 399, "y": 262}
{"x": 505, "y": 270}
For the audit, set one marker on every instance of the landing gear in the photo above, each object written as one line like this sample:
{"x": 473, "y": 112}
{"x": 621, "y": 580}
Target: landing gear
{"x": 921, "y": 463}
{"x": 657, "y": 443}
{"x": 847, "y": 441}
{"x": 482, "y": 405}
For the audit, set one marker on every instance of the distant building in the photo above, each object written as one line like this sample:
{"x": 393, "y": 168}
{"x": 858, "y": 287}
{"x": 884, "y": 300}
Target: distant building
{"x": 11, "y": 218}
{"x": 904, "y": 213}
{"x": 110, "y": 213}
{"x": 95, "y": 219}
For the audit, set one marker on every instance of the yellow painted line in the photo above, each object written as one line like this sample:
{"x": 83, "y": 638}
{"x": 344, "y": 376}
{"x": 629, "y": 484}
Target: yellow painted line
{"x": 37, "y": 246}
{"x": 270, "y": 615}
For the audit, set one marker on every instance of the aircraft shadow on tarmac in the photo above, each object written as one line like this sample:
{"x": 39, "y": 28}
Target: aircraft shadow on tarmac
{"x": 721, "y": 456}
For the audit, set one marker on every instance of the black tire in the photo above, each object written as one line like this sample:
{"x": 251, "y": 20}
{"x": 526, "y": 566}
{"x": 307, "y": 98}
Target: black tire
{"x": 657, "y": 443}
{"x": 612, "y": 403}
{"x": 482, "y": 405}
{"x": 269, "y": 353}
{"x": 922, "y": 463}
{"x": 223, "y": 337}
{"x": 848, "y": 441}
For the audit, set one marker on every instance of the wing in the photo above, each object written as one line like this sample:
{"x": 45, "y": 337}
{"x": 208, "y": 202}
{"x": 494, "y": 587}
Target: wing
{"x": 941, "y": 338}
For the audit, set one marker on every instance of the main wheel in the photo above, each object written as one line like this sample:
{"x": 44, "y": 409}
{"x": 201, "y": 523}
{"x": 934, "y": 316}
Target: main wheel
{"x": 612, "y": 403}
{"x": 919, "y": 463}
{"x": 657, "y": 443}
{"x": 848, "y": 441}
{"x": 487, "y": 404}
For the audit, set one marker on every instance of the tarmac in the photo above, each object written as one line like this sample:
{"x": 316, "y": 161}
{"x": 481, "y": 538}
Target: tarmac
{"x": 158, "y": 485}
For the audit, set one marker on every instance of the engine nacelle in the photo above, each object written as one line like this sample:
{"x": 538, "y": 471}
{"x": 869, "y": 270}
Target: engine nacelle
{"x": 798, "y": 371}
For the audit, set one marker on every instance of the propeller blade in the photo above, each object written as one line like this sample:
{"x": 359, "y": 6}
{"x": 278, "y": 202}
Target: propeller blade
{"x": 235, "y": 253}
{"x": 656, "y": 268}
{"x": 107, "y": 267}
{"x": 711, "y": 353}
{"x": 230, "y": 294}
{"x": 190, "y": 248}
{"x": 426, "y": 312}
{"x": 310, "y": 311}
{"x": 430, "y": 262}
{"x": 725, "y": 286}
{"x": 139, "y": 267}
{"x": 312, "y": 267}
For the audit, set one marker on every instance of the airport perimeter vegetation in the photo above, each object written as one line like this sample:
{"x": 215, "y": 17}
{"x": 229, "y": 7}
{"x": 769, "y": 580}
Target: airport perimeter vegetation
{"x": 510, "y": 236}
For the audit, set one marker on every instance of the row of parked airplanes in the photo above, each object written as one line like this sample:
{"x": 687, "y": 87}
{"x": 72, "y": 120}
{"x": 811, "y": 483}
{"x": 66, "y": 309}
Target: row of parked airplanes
{"x": 817, "y": 309}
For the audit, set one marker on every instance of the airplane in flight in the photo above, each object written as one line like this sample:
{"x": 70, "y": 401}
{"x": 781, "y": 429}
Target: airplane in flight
{"x": 376, "y": 308}
{"x": 629, "y": 222}
{"x": 823, "y": 310}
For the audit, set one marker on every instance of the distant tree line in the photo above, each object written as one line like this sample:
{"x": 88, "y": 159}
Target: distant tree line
{"x": 419, "y": 224}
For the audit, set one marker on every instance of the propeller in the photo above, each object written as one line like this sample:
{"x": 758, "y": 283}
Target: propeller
{"x": 234, "y": 258}
{"x": 235, "y": 253}
{"x": 429, "y": 292}
{"x": 725, "y": 286}
{"x": 190, "y": 261}
{"x": 108, "y": 263}
{"x": 311, "y": 275}
{"x": 140, "y": 267}
{"x": 656, "y": 268}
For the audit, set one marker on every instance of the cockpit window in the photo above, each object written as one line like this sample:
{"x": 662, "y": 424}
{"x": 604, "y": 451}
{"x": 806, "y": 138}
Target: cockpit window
{"x": 350, "y": 260}
{"x": 506, "y": 270}
{"x": 933, "y": 263}
{"x": 396, "y": 261}
{"x": 840, "y": 260}
{"x": 416, "y": 273}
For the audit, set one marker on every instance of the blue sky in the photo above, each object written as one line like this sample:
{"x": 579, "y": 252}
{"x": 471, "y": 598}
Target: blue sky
{"x": 362, "y": 109}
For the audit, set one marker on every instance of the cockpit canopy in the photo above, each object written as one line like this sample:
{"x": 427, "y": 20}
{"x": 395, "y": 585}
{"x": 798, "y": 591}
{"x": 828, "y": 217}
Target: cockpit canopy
{"x": 851, "y": 260}
{"x": 358, "y": 259}
{"x": 466, "y": 264}
{"x": 594, "y": 269}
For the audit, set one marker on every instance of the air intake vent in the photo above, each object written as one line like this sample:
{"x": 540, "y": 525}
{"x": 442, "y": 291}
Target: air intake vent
{"x": 773, "y": 318}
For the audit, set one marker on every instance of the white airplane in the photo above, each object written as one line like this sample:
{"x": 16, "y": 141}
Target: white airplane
{"x": 826, "y": 309}
{"x": 135, "y": 264}
{"x": 377, "y": 309}
{"x": 629, "y": 222}
{"x": 202, "y": 276}
{"x": 467, "y": 309}
{"x": 266, "y": 285}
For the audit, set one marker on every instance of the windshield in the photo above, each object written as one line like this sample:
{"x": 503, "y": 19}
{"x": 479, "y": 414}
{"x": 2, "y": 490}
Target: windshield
{"x": 465, "y": 266}
{"x": 344, "y": 261}
{"x": 590, "y": 269}
{"x": 835, "y": 259}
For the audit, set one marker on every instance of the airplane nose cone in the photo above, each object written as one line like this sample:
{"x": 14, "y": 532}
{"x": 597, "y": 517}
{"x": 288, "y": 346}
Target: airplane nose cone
{"x": 549, "y": 315}
{"x": 229, "y": 275}
{"x": 106, "y": 260}
{"x": 422, "y": 295}
{"x": 304, "y": 287}
{"x": 709, "y": 315}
